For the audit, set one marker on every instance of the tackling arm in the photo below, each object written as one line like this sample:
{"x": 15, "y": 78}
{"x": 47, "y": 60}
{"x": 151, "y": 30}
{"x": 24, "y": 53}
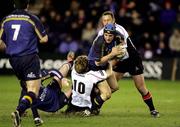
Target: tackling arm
{"x": 109, "y": 70}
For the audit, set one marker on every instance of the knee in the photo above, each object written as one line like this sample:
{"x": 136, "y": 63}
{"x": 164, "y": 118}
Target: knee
{"x": 105, "y": 96}
{"x": 114, "y": 89}
{"x": 108, "y": 95}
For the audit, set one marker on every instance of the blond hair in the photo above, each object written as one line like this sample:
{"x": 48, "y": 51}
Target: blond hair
{"x": 81, "y": 64}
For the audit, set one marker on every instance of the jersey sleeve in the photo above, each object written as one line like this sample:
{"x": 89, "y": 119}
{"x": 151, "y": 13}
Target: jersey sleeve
{"x": 100, "y": 33}
{"x": 122, "y": 31}
{"x": 96, "y": 49}
{"x": 98, "y": 76}
{"x": 2, "y": 35}
{"x": 39, "y": 28}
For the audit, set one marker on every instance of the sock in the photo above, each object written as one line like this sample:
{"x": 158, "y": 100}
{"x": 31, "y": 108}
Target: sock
{"x": 148, "y": 100}
{"x": 25, "y": 102}
{"x": 35, "y": 112}
{"x": 64, "y": 100}
{"x": 98, "y": 101}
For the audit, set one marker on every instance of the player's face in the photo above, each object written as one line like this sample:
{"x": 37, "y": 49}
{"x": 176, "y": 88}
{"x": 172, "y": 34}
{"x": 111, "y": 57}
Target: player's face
{"x": 108, "y": 37}
{"x": 107, "y": 19}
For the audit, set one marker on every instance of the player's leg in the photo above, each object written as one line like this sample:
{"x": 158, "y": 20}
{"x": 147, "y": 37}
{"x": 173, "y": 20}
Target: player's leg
{"x": 105, "y": 92}
{"x": 32, "y": 92}
{"x": 26, "y": 101}
{"x": 27, "y": 68}
{"x": 37, "y": 119}
{"x": 113, "y": 83}
{"x": 67, "y": 90}
{"x": 65, "y": 84}
{"x": 99, "y": 98}
{"x": 118, "y": 75}
{"x": 146, "y": 95}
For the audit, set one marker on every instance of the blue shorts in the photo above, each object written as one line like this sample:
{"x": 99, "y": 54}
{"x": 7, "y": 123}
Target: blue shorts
{"x": 26, "y": 67}
{"x": 51, "y": 98}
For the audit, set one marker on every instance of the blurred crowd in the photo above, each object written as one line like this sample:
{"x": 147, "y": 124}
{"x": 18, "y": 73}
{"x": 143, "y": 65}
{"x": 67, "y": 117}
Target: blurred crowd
{"x": 153, "y": 25}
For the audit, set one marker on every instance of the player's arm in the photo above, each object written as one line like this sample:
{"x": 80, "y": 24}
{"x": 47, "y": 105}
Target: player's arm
{"x": 115, "y": 51}
{"x": 109, "y": 70}
{"x": 40, "y": 30}
{"x": 66, "y": 67}
{"x": 2, "y": 45}
{"x": 44, "y": 39}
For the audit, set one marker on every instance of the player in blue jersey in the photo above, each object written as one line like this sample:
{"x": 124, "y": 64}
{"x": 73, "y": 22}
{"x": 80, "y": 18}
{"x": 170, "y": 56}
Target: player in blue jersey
{"x": 129, "y": 61}
{"x": 105, "y": 48}
{"x": 51, "y": 98}
{"x": 21, "y": 32}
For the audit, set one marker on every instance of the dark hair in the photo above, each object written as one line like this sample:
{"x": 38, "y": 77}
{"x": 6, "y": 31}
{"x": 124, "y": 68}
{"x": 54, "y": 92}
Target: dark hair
{"x": 108, "y": 13}
{"x": 21, "y": 4}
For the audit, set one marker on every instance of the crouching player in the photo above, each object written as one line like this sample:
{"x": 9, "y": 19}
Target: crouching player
{"x": 83, "y": 82}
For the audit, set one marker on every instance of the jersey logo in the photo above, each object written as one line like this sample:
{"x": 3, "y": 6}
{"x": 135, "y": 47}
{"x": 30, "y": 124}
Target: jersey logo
{"x": 101, "y": 72}
{"x": 31, "y": 75}
{"x": 43, "y": 95}
{"x": 137, "y": 68}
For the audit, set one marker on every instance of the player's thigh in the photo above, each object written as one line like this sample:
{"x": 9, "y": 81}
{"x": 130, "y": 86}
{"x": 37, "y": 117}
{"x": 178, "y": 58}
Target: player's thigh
{"x": 118, "y": 75}
{"x": 113, "y": 82}
{"x": 33, "y": 85}
{"x": 104, "y": 88}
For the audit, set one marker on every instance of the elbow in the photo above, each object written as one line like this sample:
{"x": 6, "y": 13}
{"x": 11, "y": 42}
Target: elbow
{"x": 97, "y": 63}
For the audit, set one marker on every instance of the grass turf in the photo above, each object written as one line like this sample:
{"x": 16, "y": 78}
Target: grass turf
{"x": 124, "y": 109}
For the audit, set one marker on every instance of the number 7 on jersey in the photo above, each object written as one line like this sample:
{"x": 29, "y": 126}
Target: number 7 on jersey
{"x": 16, "y": 28}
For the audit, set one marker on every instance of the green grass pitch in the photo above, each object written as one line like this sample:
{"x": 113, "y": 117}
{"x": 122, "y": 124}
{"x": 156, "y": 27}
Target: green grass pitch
{"x": 124, "y": 109}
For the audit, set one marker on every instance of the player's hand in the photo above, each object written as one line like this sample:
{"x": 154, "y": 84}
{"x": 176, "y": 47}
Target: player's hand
{"x": 122, "y": 51}
{"x": 70, "y": 56}
{"x": 116, "y": 50}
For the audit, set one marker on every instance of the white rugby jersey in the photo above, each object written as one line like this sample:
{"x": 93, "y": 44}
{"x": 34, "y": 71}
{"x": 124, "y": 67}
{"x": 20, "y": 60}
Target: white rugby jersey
{"x": 83, "y": 85}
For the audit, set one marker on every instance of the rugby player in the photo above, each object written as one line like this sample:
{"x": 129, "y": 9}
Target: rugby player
{"x": 51, "y": 98}
{"x": 83, "y": 82}
{"x": 21, "y": 32}
{"x": 130, "y": 62}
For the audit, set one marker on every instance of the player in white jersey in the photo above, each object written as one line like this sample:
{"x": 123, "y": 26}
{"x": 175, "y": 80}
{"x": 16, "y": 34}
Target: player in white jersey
{"x": 131, "y": 63}
{"x": 83, "y": 83}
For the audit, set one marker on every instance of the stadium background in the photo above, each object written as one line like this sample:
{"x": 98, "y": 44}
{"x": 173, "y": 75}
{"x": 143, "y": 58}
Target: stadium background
{"x": 153, "y": 25}
{"x": 72, "y": 25}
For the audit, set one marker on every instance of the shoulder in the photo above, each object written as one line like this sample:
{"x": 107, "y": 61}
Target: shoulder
{"x": 33, "y": 17}
{"x": 122, "y": 30}
{"x": 100, "y": 33}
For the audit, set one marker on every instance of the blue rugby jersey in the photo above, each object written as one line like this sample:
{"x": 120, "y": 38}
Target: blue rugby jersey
{"x": 21, "y": 32}
{"x": 99, "y": 49}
